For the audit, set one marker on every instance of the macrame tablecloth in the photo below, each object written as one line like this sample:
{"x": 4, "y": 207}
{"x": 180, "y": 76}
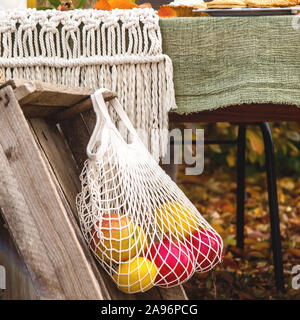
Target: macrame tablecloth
{"x": 120, "y": 50}
{"x": 222, "y": 61}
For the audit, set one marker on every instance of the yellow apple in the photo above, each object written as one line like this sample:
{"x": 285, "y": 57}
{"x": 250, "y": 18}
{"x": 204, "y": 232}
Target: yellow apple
{"x": 122, "y": 238}
{"x": 175, "y": 218}
{"x": 136, "y": 275}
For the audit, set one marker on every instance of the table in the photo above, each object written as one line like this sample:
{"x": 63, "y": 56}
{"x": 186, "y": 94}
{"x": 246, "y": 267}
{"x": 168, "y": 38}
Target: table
{"x": 238, "y": 70}
{"x": 228, "y": 61}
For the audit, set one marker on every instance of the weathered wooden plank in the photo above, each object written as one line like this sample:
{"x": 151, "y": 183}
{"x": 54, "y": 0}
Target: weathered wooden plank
{"x": 63, "y": 184}
{"x": 24, "y": 231}
{"x": 77, "y": 136}
{"x": 59, "y": 157}
{"x": 32, "y": 111}
{"x": 89, "y": 117}
{"x": 72, "y": 269}
{"x": 48, "y": 94}
{"x": 81, "y": 107}
{"x": 72, "y": 111}
{"x": 18, "y": 281}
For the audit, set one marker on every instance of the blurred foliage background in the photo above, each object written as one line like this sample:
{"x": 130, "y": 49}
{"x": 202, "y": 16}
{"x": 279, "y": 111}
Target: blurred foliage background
{"x": 286, "y": 136}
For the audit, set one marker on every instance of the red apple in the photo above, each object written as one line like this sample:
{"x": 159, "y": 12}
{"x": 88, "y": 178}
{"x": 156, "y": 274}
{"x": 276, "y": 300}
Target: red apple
{"x": 175, "y": 262}
{"x": 207, "y": 249}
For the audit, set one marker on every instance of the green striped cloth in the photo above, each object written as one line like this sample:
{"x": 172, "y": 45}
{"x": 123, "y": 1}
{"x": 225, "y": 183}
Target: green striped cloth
{"x": 221, "y": 61}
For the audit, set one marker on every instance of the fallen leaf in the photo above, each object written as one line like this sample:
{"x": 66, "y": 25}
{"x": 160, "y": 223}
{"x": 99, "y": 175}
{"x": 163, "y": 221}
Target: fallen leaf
{"x": 287, "y": 184}
{"x": 230, "y": 263}
{"x": 295, "y": 222}
{"x": 229, "y": 240}
{"x": 218, "y": 228}
{"x": 255, "y": 254}
{"x": 259, "y": 212}
{"x": 293, "y": 135}
{"x": 250, "y": 241}
{"x": 261, "y": 245}
{"x": 228, "y": 207}
{"x": 281, "y": 197}
{"x": 256, "y": 142}
{"x": 231, "y": 159}
{"x": 295, "y": 252}
{"x": 258, "y": 235}
{"x": 262, "y": 264}
{"x": 215, "y": 147}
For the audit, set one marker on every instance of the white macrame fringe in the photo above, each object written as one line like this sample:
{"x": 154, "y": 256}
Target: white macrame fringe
{"x": 119, "y": 49}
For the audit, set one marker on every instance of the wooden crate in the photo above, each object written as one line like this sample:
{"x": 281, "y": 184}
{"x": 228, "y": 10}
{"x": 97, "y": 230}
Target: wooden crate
{"x": 44, "y": 130}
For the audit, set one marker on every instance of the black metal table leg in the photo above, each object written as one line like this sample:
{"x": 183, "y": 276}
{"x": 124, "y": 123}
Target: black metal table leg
{"x": 241, "y": 164}
{"x": 273, "y": 205}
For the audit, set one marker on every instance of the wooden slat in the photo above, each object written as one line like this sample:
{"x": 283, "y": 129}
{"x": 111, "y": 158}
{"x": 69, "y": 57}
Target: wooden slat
{"x": 89, "y": 117}
{"x": 59, "y": 158}
{"x": 241, "y": 113}
{"x": 19, "y": 283}
{"x": 63, "y": 182}
{"x": 81, "y": 107}
{"x": 24, "y": 231}
{"x": 77, "y": 136}
{"x": 72, "y": 269}
{"x": 48, "y": 94}
{"x": 32, "y": 111}
{"x": 73, "y": 111}
{"x": 42, "y": 99}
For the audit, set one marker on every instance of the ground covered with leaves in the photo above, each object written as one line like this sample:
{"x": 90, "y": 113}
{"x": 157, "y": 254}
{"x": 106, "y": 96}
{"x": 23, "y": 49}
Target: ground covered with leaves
{"x": 248, "y": 274}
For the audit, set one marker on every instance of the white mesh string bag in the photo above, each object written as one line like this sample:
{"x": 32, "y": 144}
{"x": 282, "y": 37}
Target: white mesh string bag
{"x": 136, "y": 220}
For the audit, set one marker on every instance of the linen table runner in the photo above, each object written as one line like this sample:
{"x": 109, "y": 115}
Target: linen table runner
{"x": 223, "y": 61}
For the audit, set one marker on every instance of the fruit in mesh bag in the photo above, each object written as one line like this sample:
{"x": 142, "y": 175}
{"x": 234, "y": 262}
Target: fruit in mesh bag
{"x": 122, "y": 238}
{"x": 175, "y": 262}
{"x": 135, "y": 275}
{"x": 206, "y": 247}
{"x": 175, "y": 218}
